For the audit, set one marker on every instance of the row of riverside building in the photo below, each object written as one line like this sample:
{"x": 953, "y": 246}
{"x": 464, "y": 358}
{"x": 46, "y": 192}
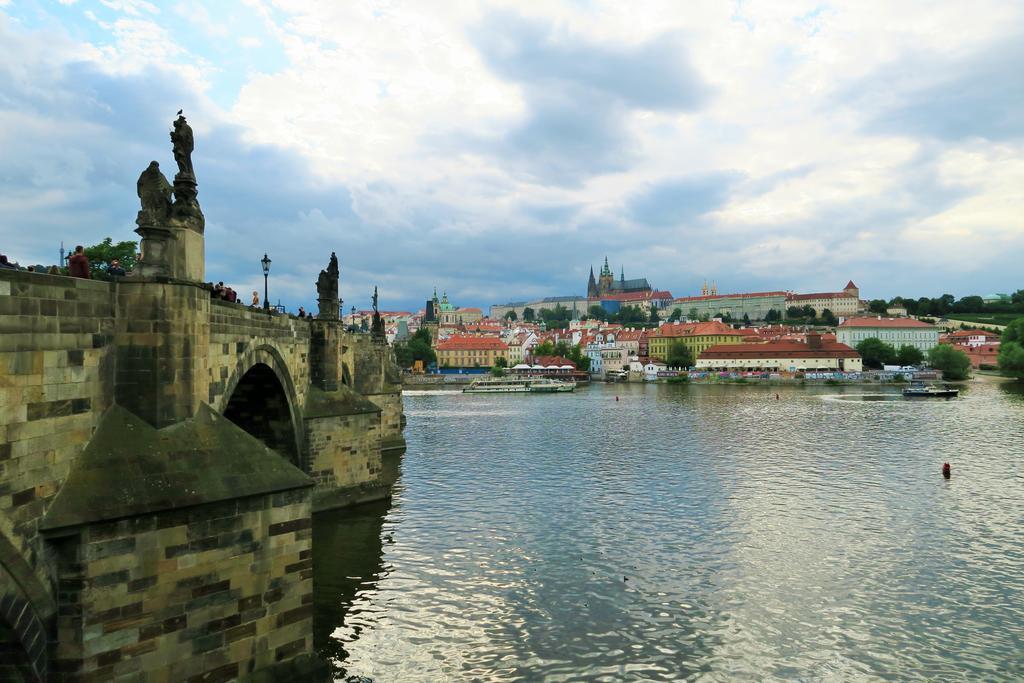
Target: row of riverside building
{"x": 465, "y": 340}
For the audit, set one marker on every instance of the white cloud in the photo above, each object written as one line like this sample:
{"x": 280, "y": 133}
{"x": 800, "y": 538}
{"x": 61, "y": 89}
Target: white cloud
{"x": 401, "y": 104}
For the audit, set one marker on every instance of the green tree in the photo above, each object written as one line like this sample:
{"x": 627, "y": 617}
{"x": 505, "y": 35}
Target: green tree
{"x": 772, "y": 315}
{"x": 794, "y": 312}
{"x": 1014, "y": 332}
{"x": 1011, "y": 359}
{"x": 746, "y": 319}
{"x": 528, "y": 315}
{"x": 953, "y": 362}
{"x": 677, "y": 313}
{"x": 876, "y": 352}
{"x": 809, "y": 311}
{"x": 1011, "y": 349}
{"x": 597, "y": 312}
{"x": 100, "y": 255}
{"x": 727, "y": 317}
{"x": 511, "y": 315}
{"x": 417, "y": 347}
{"x": 679, "y": 355}
{"x": 969, "y": 304}
{"x": 909, "y": 355}
{"x": 501, "y": 362}
{"x": 878, "y": 306}
{"x": 693, "y": 314}
{"x": 653, "y": 318}
{"x": 829, "y": 318}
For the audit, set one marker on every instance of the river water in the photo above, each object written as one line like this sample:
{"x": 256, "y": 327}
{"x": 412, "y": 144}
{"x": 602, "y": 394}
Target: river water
{"x": 630, "y": 532}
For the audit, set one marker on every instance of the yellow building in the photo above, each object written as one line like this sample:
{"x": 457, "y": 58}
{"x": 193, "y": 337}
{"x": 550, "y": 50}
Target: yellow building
{"x": 470, "y": 352}
{"x": 698, "y": 337}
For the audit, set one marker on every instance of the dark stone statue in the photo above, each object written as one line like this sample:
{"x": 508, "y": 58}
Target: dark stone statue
{"x": 327, "y": 290}
{"x": 377, "y": 332}
{"x": 183, "y": 144}
{"x": 155, "y": 194}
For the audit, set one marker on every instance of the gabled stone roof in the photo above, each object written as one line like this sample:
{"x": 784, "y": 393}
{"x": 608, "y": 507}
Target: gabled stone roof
{"x": 130, "y": 468}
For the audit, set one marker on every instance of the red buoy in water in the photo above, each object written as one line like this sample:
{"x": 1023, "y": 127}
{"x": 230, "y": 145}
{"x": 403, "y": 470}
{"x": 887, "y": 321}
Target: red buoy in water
{"x": 945, "y": 470}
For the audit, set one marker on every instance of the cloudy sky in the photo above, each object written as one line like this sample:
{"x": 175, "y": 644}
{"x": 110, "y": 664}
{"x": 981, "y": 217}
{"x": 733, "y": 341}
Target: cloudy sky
{"x": 498, "y": 149}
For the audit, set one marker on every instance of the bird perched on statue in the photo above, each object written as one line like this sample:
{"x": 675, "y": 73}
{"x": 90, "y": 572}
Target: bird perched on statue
{"x": 179, "y": 111}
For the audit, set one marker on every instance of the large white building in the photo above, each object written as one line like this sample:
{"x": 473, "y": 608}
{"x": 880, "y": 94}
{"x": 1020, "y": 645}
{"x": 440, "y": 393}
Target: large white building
{"x": 896, "y": 332}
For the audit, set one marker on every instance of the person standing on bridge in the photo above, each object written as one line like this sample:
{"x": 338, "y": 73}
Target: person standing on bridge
{"x": 78, "y": 263}
{"x": 255, "y": 299}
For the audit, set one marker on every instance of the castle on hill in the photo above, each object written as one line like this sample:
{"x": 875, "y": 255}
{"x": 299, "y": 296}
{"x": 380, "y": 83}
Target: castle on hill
{"x": 606, "y": 283}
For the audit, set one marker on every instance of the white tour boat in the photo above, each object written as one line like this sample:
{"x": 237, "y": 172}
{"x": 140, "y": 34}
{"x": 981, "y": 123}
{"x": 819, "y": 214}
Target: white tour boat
{"x": 518, "y": 385}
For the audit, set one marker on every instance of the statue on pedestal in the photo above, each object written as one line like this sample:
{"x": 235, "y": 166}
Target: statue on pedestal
{"x": 186, "y": 213}
{"x": 327, "y": 290}
{"x": 155, "y": 196}
{"x": 377, "y": 326}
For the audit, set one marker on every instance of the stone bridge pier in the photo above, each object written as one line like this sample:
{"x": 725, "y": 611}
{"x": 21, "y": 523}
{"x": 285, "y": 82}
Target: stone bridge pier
{"x": 162, "y": 453}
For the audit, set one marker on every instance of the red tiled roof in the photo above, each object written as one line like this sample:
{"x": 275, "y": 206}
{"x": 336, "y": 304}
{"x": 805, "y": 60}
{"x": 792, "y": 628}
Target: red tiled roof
{"x": 850, "y": 285}
{"x": 686, "y": 299}
{"x": 780, "y": 348}
{"x": 471, "y": 344}
{"x": 557, "y": 361}
{"x": 885, "y": 322}
{"x": 468, "y": 310}
{"x": 695, "y": 329}
{"x": 973, "y": 333}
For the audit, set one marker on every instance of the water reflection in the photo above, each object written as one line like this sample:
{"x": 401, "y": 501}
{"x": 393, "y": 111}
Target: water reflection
{"x": 348, "y": 559}
{"x": 683, "y": 532}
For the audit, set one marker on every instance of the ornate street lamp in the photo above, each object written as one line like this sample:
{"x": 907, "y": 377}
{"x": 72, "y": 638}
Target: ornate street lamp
{"x": 266, "y": 272}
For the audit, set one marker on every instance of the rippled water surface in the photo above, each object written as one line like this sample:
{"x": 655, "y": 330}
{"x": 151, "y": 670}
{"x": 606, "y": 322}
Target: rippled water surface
{"x": 687, "y": 533}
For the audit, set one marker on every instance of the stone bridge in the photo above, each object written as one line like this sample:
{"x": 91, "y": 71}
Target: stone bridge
{"x": 161, "y": 455}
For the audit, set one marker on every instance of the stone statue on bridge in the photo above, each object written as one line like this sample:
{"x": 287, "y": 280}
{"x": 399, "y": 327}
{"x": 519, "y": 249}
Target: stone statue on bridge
{"x": 183, "y": 143}
{"x": 377, "y": 333}
{"x": 327, "y": 290}
{"x": 155, "y": 193}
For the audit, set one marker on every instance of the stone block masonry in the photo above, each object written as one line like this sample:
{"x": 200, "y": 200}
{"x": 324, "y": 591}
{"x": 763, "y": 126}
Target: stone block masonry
{"x": 213, "y": 592}
{"x": 166, "y": 364}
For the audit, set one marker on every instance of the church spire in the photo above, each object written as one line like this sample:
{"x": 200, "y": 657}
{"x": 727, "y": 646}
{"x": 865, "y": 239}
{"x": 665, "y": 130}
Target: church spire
{"x": 622, "y": 274}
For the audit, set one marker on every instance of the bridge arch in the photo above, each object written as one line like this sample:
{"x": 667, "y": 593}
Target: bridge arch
{"x": 260, "y": 398}
{"x": 25, "y": 608}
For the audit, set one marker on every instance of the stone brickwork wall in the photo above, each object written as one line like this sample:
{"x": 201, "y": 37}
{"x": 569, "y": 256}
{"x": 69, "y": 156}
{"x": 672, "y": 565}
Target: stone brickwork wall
{"x": 56, "y": 379}
{"x": 344, "y": 450}
{"x": 206, "y": 594}
{"x": 241, "y": 337}
{"x": 392, "y": 420}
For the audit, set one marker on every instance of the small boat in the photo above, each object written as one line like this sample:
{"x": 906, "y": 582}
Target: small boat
{"x": 518, "y": 385}
{"x": 922, "y": 390}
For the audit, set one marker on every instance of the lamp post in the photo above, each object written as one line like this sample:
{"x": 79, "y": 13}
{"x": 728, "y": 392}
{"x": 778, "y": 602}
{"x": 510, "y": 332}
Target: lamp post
{"x": 266, "y": 272}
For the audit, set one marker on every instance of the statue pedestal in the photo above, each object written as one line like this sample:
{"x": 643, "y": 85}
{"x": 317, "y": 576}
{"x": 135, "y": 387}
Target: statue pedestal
{"x": 157, "y": 246}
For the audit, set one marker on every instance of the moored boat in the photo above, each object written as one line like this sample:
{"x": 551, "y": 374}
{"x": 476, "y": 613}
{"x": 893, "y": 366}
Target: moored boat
{"x": 518, "y": 385}
{"x": 922, "y": 390}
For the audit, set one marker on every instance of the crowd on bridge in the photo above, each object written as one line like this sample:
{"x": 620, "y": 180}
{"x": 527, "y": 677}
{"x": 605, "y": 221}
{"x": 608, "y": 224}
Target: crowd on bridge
{"x": 77, "y": 266}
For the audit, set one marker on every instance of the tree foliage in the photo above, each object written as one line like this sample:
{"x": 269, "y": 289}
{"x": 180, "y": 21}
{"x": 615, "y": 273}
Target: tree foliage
{"x": 417, "y": 347}
{"x": 876, "y": 352}
{"x": 511, "y": 315}
{"x": 101, "y": 255}
{"x": 679, "y": 355}
{"x": 953, "y": 362}
{"x": 829, "y": 318}
{"x": 772, "y": 315}
{"x": 677, "y": 313}
{"x": 653, "y": 317}
{"x": 565, "y": 350}
{"x": 529, "y": 315}
{"x": 909, "y": 355}
{"x": 1011, "y": 348}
